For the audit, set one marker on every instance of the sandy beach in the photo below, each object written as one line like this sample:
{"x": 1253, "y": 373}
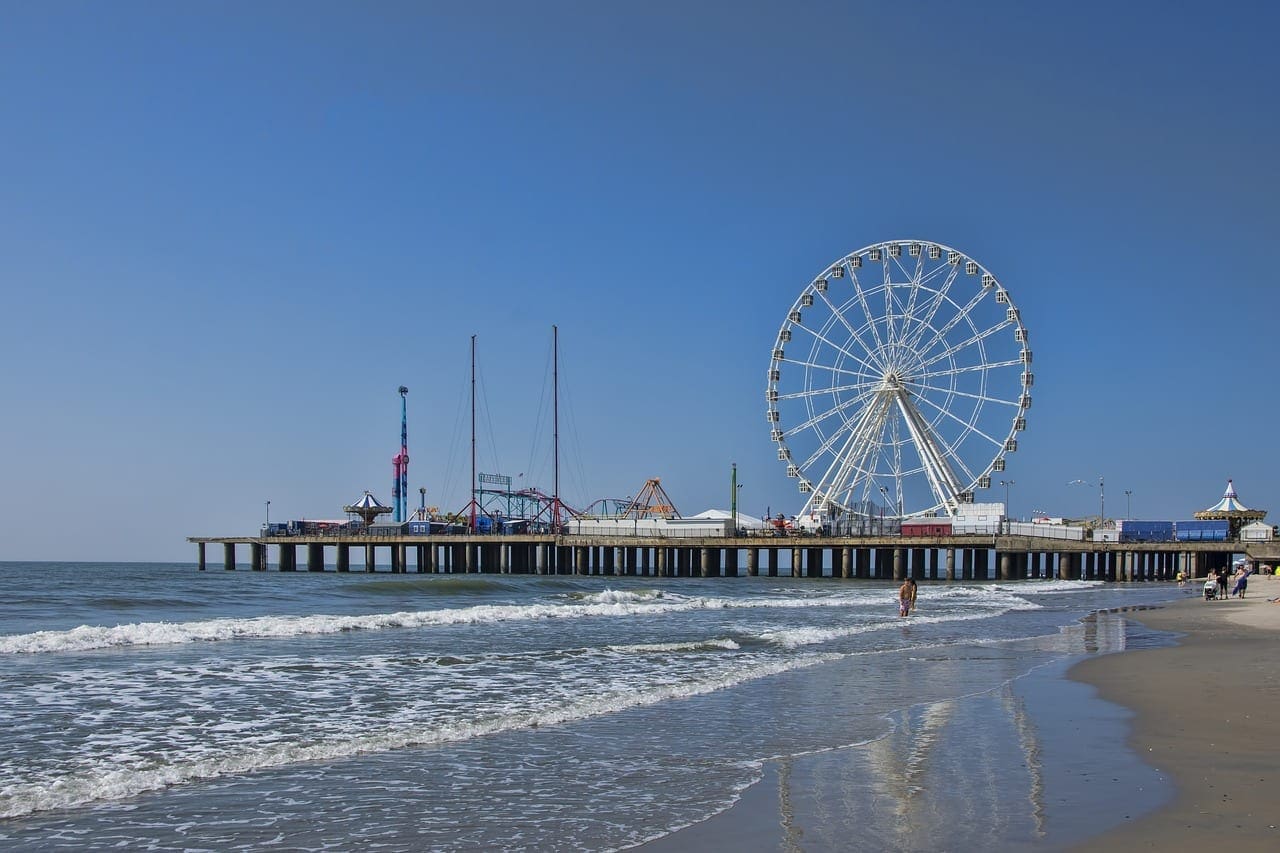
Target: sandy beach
{"x": 1205, "y": 715}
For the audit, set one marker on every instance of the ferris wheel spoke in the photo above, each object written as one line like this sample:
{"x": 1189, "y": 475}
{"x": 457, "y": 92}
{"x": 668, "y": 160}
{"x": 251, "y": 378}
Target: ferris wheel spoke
{"x": 939, "y": 299}
{"x": 821, "y": 392}
{"x": 952, "y": 392}
{"x": 831, "y": 368}
{"x": 973, "y": 339}
{"x": 866, "y": 309}
{"x": 820, "y": 338}
{"x": 844, "y": 321}
{"x": 817, "y": 419}
{"x": 915, "y": 292}
{"x": 1016, "y": 362}
{"x": 889, "y": 334}
{"x": 940, "y": 334}
{"x": 968, "y": 427}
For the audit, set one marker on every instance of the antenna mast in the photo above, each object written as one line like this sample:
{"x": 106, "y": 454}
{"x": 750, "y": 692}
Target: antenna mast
{"x": 473, "y": 433}
{"x": 555, "y": 407}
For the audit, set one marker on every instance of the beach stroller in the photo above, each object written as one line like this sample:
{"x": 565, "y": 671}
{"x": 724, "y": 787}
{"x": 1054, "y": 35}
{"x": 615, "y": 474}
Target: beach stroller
{"x": 1210, "y": 588}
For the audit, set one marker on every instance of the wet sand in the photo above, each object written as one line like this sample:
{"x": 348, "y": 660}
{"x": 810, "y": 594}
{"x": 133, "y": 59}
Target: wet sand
{"x": 1201, "y": 719}
{"x": 1207, "y": 714}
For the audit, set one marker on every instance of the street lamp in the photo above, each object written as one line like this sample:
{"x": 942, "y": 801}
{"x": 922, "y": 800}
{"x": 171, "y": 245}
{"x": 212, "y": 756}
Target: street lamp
{"x": 884, "y": 498}
{"x": 1102, "y": 496}
{"x": 1007, "y": 514}
{"x": 268, "y": 513}
{"x": 1127, "y": 494}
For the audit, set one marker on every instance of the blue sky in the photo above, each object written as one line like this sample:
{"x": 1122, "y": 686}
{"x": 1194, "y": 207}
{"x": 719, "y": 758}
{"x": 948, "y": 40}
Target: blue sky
{"x": 230, "y": 231}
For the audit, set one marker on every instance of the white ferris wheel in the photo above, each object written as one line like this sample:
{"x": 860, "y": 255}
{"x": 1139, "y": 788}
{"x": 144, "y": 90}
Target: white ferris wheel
{"x": 899, "y": 382}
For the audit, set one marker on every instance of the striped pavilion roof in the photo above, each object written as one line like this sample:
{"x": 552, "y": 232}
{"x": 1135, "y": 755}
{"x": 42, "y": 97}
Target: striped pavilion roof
{"x": 1229, "y": 502}
{"x": 366, "y": 502}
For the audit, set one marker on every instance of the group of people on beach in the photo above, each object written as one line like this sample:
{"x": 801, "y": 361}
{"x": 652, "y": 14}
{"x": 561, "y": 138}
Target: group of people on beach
{"x": 1215, "y": 585}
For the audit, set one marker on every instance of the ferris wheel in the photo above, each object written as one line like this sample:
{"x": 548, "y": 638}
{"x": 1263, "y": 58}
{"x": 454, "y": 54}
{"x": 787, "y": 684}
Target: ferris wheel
{"x": 898, "y": 382}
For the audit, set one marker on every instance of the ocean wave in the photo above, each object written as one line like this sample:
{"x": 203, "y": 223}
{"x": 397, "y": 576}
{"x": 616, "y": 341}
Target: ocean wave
{"x": 90, "y": 637}
{"x": 623, "y": 596}
{"x": 115, "y": 783}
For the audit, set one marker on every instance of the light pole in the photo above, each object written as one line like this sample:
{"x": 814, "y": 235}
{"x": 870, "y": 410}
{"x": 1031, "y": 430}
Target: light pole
{"x": 268, "y": 513}
{"x": 1127, "y": 494}
{"x": 422, "y": 492}
{"x": 1102, "y": 497}
{"x": 884, "y": 498}
{"x": 1007, "y": 515}
{"x": 733, "y": 496}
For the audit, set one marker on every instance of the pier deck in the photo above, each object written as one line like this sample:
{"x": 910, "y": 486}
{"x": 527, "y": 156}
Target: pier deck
{"x": 952, "y": 558}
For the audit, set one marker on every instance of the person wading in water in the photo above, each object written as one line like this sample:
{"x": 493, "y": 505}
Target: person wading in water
{"x": 906, "y": 597}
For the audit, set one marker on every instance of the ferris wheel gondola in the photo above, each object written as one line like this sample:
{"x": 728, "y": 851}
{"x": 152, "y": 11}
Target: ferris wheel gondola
{"x": 898, "y": 382}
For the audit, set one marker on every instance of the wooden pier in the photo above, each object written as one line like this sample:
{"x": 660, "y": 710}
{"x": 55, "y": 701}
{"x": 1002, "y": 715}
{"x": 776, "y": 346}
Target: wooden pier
{"x": 943, "y": 558}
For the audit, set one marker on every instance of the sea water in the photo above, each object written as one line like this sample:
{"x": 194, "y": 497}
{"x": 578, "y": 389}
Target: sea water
{"x": 152, "y": 706}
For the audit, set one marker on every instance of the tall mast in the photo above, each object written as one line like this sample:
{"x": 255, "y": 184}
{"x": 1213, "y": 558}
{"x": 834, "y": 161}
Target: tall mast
{"x": 555, "y": 408}
{"x": 473, "y": 434}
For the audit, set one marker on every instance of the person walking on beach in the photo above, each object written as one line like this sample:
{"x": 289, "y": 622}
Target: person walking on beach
{"x": 1242, "y": 583}
{"x": 1222, "y": 583}
{"x": 906, "y": 597}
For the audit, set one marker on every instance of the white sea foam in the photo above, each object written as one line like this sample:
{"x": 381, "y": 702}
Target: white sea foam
{"x": 87, "y": 637}
{"x": 796, "y": 637}
{"x": 991, "y": 596}
{"x": 1047, "y": 586}
{"x": 109, "y": 782}
{"x": 723, "y": 643}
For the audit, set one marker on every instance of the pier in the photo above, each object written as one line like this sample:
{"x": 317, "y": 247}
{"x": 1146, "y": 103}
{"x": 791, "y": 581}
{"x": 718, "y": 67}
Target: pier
{"x": 938, "y": 558}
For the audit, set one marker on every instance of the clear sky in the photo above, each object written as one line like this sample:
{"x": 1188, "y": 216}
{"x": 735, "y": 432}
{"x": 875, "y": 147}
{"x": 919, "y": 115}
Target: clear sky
{"x": 229, "y": 231}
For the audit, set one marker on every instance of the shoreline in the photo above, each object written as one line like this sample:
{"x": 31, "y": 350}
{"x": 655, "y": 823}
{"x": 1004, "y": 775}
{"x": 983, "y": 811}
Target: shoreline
{"x": 1157, "y": 747}
{"x": 1204, "y": 714}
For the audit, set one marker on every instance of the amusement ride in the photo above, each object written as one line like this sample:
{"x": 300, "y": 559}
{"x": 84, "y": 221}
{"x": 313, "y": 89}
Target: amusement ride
{"x": 898, "y": 382}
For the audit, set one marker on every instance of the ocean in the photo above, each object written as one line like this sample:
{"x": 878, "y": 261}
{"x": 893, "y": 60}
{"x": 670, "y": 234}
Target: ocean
{"x": 152, "y": 706}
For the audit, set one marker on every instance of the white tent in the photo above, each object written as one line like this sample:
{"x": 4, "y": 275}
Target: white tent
{"x": 747, "y": 522}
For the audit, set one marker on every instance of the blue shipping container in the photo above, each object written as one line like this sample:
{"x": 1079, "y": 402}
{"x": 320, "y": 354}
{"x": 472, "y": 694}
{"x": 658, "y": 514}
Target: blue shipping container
{"x": 1202, "y": 531}
{"x": 1146, "y": 531}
